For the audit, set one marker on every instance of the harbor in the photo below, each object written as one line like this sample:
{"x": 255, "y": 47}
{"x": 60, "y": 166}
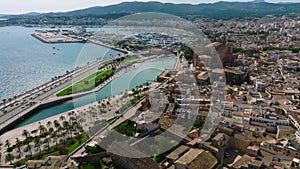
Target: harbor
{"x": 79, "y": 35}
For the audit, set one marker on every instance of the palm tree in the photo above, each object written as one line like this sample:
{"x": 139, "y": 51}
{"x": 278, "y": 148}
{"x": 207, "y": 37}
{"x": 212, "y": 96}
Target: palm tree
{"x": 18, "y": 145}
{"x": 80, "y": 121}
{"x": 90, "y": 113}
{"x": 29, "y": 149}
{"x": 42, "y": 129}
{"x": 66, "y": 126}
{"x": 56, "y": 124}
{"x": 37, "y": 142}
{"x": 48, "y": 142}
{"x": 50, "y": 130}
{"x": 103, "y": 106}
{"x": 62, "y": 118}
{"x": 69, "y": 114}
{"x": 72, "y": 120}
{"x": 7, "y": 143}
{"x": 9, "y": 158}
{"x": 49, "y": 123}
{"x": 27, "y": 136}
{"x": 84, "y": 117}
{"x": 55, "y": 138}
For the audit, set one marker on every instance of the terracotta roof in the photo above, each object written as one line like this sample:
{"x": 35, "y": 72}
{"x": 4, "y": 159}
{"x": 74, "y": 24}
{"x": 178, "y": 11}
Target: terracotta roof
{"x": 197, "y": 158}
{"x": 174, "y": 155}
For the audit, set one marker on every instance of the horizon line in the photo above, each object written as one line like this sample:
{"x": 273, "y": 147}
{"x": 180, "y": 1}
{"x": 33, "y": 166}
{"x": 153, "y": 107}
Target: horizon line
{"x": 82, "y": 8}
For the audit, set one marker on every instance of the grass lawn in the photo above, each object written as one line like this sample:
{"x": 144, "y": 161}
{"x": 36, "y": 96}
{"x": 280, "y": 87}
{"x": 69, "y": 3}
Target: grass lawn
{"x": 95, "y": 163}
{"x": 86, "y": 166}
{"x": 127, "y": 128}
{"x": 130, "y": 103}
{"x": 87, "y": 83}
{"x": 77, "y": 143}
{"x": 136, "y": 99}
{"x": 112, "y": 120}
{"x": 160, "y": 131}
{"x": 124, "y": 107}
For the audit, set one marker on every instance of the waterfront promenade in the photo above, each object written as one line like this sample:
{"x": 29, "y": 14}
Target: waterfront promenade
{"x": 10, "y": 119}
{"x": 45, "y": 94}
{"x": 116, "y": 101}
{"x": 115, "y": 105}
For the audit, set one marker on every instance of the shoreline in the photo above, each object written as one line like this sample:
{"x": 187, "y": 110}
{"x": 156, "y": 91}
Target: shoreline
{"x": 46, "y": 84}
{"x": 11, "y": 120}
{"x": 47, "y": 103}
{"x": 59, "y": 100}
{"x": 17, "y": 132}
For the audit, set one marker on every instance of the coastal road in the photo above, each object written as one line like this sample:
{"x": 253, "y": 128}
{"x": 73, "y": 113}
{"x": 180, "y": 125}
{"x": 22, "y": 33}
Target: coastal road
{"x": 23, "y": 109}
{"x": 49, "y": 95}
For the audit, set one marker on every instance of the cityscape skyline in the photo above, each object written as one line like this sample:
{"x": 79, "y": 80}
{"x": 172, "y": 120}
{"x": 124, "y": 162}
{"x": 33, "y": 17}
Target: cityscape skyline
{"x": 86, "y": 84}
{"x": 13, "y": 6}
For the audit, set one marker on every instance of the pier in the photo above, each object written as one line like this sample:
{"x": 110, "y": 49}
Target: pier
{"x": 108, "y": 46}
{"x": 56, "y": 38}
{"x": 70, "y": 37}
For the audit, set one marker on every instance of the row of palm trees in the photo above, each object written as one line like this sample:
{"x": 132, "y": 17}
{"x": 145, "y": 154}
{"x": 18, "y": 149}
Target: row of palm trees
{"x": 64, "y": 128}
{"x": 56, "y": 131}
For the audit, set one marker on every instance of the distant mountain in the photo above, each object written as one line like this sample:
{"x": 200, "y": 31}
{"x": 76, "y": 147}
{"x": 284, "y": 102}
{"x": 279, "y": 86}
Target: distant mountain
{"x": 219, "y": 10}
{"x": 32, "y": 14}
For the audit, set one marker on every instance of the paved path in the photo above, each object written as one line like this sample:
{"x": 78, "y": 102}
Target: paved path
{"x": 21, "y": 110}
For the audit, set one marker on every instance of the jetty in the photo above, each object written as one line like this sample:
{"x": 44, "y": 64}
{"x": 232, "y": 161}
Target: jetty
{"x": 49, "y": 37}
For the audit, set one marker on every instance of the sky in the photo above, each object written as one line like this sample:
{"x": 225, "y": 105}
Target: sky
{"x": 42, "y": 6}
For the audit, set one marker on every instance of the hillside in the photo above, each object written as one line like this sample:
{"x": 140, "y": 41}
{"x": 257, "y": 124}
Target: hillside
{"x": 219, "y": 10}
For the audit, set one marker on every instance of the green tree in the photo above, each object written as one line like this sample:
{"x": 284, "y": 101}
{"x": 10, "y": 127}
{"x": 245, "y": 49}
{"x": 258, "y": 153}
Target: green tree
{"x": 9, "y": 158}
{"x": 27, "y": 139}
{"x": 7, "y": 144}
{"x": 18, "y": 145}
{"x": 42, "y": 129}
{"x": 49, "y": 123}
{"x": 66, "y": 127}
{"x": 37, "y": 142}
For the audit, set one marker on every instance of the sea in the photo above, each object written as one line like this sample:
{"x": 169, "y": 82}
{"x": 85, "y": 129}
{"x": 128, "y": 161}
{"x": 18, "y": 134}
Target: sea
{"x": 26, "y": 62}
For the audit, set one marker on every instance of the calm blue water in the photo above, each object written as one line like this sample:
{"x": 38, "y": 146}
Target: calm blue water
{"x": 145, "y": 73}
{"x": 25, "y": 62}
